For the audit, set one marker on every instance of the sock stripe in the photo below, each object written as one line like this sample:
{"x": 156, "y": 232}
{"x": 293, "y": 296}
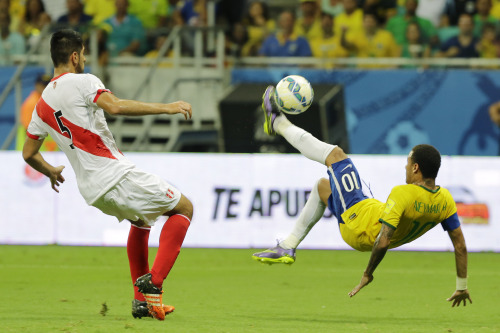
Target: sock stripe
{"x": 143, "y": 228}
{"x": 184, "y": 216}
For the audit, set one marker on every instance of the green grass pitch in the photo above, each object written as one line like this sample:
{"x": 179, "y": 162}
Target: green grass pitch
{"x": 62, "y": 289}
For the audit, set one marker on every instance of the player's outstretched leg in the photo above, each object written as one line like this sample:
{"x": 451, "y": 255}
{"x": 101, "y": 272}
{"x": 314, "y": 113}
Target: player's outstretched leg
{"x": 140, "y": 309}
{"x": 312, "y": 212}
{"x": 277, "y": 123}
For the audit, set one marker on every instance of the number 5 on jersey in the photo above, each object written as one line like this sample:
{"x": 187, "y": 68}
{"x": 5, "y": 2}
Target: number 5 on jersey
{"x": 64, "y": 129}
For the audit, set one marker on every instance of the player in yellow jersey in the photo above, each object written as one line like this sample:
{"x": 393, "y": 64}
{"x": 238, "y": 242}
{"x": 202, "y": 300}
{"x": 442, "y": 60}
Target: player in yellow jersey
{"x": 367, "y": 224}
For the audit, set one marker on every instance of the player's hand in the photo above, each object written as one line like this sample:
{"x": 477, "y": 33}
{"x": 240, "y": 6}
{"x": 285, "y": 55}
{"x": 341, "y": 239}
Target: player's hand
{"x": 56, "y": 177}
{"x": 180, "y": 107}
{"x": 365, "y": 280}
{"x": 460, "y": 296}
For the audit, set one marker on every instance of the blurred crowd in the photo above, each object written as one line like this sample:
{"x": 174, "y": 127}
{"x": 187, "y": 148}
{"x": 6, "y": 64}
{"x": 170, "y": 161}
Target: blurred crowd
{"x": 304, "y": 28}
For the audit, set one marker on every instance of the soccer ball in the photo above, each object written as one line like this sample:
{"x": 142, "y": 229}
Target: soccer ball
{"x": 293, "y": 94}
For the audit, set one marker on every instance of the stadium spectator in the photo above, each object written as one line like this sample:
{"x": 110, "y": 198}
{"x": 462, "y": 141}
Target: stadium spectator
{"x": 462, "y": 46}
{"x": 488, "y": 45}
{"x": 16, "y": 10}
{"x": 332, "y": 7}
{"x": 100, "y": 10}
{"x": 385, "y": 9}
{"x": 445, "y": 30}
{"x": 106, "y": 179}
{"x": 483, "y": 8}
{"x": 152, "y": 13}
{"x": 432, "y": 10}
{"x": 193, "y": 12}
{"x": 229, "y": 12}
{"x": 365, "y": 223}
{"x": 351, "y": 19}
{"x": 159, "y": 41}
{"x": 76, "y": 19}
{"x": 259, "y": 25}
{"x": 327, "y": 46}
{"x": 11, "y": 42}
{"x": 42, "y": 80}
{"x": 35, "y": 19}
{"x": 397, "y": 25}
{"x": 495, "y": 9}
{"x": 456, "y": 8}
{"x": 126, "y": 35}
{"x": 285, "y": 42}
{"x": 371, "y": 41}
{"x": 415, "y": 46}
{"x": 308, "y": 24}
{"x": 237, "y": 43}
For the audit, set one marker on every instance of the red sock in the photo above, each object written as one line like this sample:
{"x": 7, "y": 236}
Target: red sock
{"x": 137, "y": 251}
{"x": 171, "y": 238}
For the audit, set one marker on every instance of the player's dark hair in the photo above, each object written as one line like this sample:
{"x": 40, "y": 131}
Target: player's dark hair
{"x": 428, "y": 159}
{"x": 62, "y": 45}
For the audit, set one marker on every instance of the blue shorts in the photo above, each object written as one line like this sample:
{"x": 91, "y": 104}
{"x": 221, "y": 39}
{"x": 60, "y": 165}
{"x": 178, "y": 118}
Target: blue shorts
{"x": 347, "y": 188}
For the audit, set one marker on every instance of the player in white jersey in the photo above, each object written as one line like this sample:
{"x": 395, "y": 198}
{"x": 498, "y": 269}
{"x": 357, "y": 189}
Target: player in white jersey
{"x": 71, "y": 111}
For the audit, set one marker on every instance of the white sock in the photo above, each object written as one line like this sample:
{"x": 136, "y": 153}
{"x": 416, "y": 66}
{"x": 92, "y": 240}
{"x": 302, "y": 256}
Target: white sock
{"x": 312, "y": 213}
{"x": 303, "y": 141}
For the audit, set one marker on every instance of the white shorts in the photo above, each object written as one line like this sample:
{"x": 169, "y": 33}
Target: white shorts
{"x": 139, "y": 196}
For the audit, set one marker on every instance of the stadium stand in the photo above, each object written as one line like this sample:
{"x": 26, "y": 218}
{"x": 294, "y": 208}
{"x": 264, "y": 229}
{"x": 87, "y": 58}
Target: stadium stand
{"x": 202, "y": 43}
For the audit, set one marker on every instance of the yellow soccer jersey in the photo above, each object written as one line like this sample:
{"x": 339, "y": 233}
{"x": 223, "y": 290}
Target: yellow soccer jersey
{"x": 411, "y": 210}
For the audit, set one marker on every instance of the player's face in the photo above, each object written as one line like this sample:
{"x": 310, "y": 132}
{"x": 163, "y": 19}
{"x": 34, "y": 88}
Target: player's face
{"x": 409, "y": 167}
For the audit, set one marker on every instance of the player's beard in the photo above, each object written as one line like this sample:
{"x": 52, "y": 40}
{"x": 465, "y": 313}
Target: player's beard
{"x": 79, "y": 68}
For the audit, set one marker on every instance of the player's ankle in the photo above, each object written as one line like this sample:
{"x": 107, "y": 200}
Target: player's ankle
{"x": 281, "y": 123}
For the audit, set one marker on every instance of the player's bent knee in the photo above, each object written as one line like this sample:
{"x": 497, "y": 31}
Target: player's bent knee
{"x": 336, "y": 155}
{"x": 324, "y": 190}
{"x": 184, "y": 207}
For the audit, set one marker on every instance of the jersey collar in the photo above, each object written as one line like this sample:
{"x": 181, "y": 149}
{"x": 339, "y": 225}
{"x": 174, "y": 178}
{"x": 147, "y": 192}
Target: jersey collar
{"x": 432, "y": 191}
{"x": 59, "y": 76}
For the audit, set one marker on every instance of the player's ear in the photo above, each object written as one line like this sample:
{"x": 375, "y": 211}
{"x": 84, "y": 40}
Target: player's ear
{"x": 74, "y": 58}
{"x": 415, "y": 168}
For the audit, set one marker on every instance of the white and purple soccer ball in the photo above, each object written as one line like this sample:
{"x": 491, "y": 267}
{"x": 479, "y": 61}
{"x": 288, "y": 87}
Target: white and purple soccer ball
{"x": 293, "y": 94}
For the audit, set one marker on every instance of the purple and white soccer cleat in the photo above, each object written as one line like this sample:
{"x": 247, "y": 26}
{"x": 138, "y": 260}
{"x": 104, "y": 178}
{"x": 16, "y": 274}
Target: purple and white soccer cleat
{"x": 275, "y": 255}
{"x": 270, "y": 110}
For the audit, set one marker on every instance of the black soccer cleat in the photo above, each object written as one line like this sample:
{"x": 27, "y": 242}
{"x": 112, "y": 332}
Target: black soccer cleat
{"x": 152, "y": 294}
{"x": 140, "y": 309}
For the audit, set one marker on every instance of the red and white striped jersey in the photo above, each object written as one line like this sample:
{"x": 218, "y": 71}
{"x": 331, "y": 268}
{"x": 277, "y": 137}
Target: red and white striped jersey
{"x": 68, "y": 112}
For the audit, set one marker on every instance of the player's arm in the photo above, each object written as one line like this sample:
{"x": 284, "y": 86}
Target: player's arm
{"x": 461, "y": 293}
{"x": 32, "y": 156}
{"x": 116, "y": 106}
{"x": 379, "y": 250}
